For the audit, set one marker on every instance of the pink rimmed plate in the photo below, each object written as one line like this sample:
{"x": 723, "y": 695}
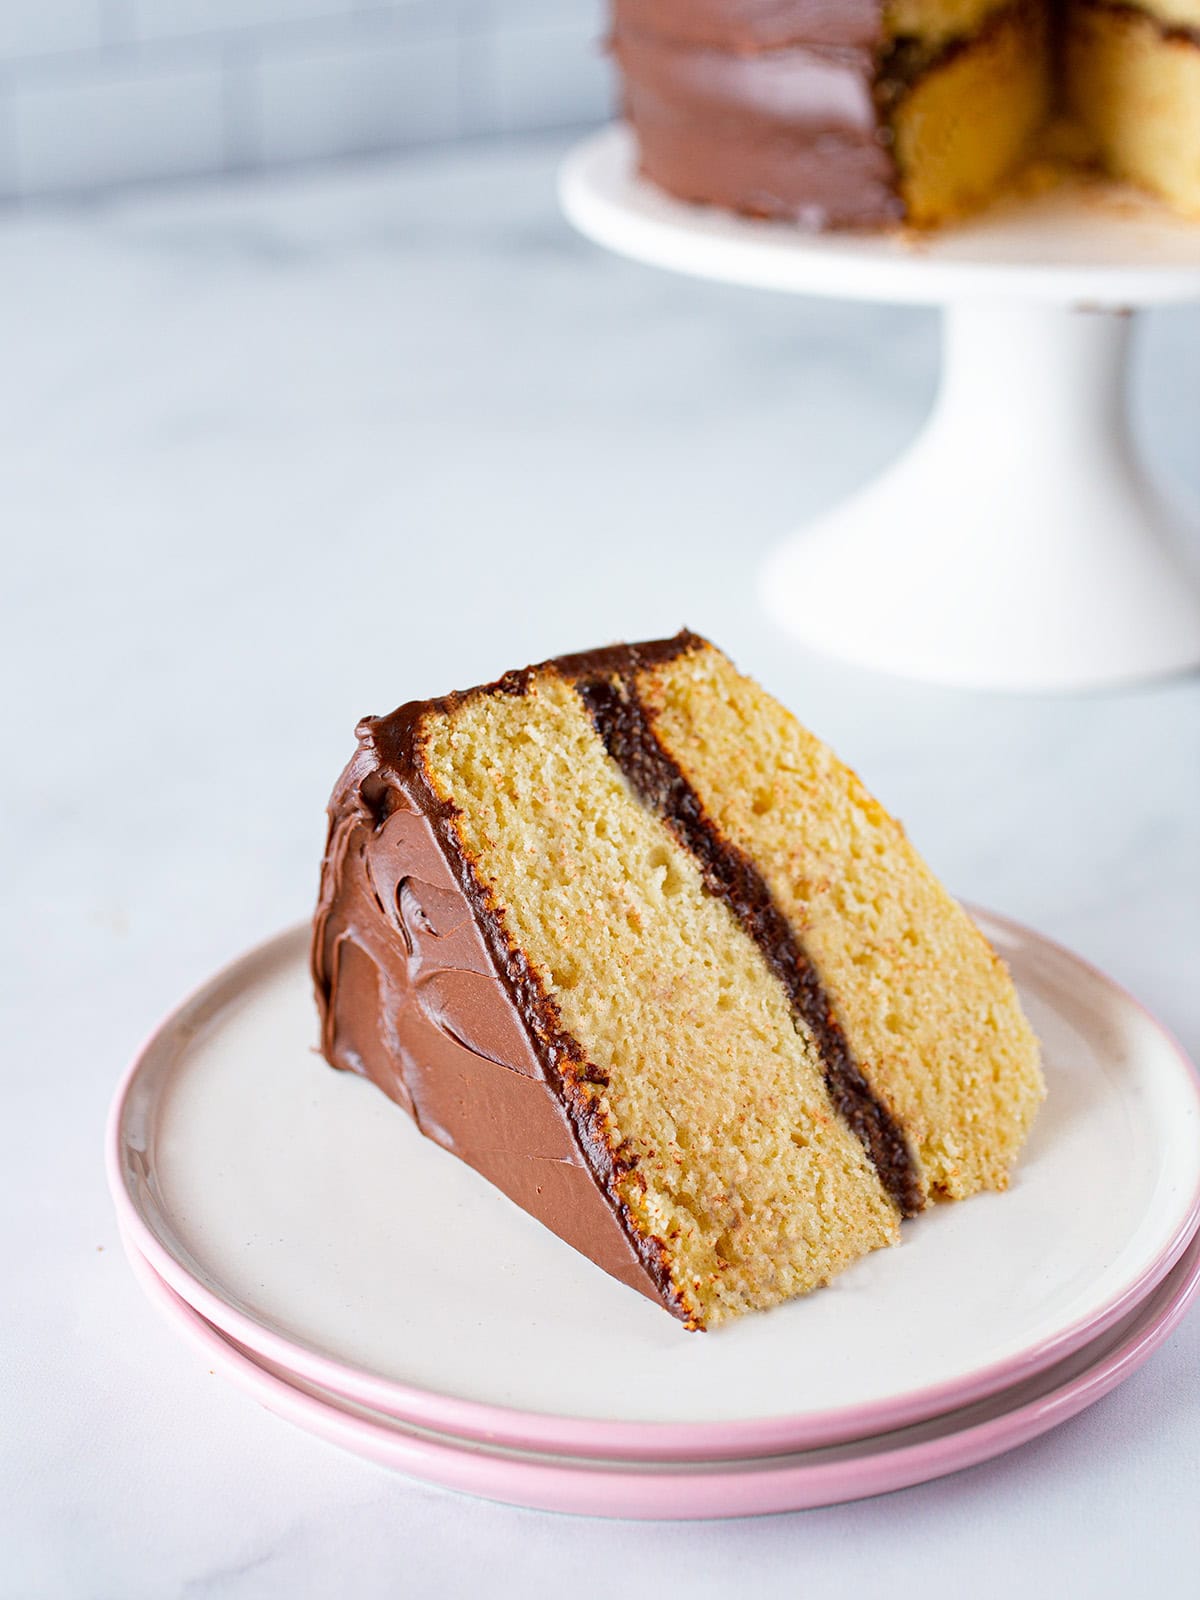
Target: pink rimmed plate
{"x": 303, "y": 1215}
{"x": 756, "y": 1486}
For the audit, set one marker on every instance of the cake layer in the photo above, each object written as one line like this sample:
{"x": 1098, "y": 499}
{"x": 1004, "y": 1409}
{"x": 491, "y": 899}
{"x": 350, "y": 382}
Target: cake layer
{"x": 927, "y": 1009}
{"x": 936, "y": 22}
{"x": 1174, "y": 15}
{"x": 1134, "y": 83}
{"x": 964, "y": 119}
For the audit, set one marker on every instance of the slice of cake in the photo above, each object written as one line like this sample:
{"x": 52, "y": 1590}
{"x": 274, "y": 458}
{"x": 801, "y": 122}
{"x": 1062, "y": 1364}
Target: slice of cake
{"x": 621, "y": 934}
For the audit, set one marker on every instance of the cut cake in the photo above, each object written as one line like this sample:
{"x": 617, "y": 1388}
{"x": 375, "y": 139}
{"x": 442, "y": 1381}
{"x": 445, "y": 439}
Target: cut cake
{"x": 865, "y": 113}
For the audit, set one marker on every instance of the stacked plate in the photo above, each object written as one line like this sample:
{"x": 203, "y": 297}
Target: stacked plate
{"x": 292, "y": 1224}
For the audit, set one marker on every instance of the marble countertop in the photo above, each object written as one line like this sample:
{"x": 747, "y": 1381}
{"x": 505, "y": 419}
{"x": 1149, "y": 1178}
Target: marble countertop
{"x": 276, "y": 454}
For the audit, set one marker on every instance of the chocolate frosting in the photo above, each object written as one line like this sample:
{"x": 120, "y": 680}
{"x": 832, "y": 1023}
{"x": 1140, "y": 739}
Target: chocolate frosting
{"x": 419, "y": 989}
{"x": 745, "y": 26}
{"x": 766, "y": 110}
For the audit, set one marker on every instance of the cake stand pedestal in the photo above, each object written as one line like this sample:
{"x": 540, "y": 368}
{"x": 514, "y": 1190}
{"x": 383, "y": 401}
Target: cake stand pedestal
{"x": 1017, "y": 544}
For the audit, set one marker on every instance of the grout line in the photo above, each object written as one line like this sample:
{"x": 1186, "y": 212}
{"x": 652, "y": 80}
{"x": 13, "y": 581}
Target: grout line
{"x": 10, "y": 188}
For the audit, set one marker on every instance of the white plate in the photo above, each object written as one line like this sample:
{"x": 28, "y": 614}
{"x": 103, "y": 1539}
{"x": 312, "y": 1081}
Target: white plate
{"x": 301, "y": 1212}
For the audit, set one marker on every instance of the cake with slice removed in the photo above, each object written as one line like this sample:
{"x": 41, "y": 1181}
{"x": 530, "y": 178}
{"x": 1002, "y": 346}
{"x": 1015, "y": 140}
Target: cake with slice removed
{"x": 620, "y": 933}
{"x": 867, "y": 113}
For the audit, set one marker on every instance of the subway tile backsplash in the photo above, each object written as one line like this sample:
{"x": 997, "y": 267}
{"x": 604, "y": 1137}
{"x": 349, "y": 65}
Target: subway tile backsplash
{"x": 551, "y": 73}
{"x": 39, "y": 27}
{"x": 80, "y": 130}
{"x": 380, "y": 91}
{"x": 99, "y": 93}
{"x": 182, "y": 19}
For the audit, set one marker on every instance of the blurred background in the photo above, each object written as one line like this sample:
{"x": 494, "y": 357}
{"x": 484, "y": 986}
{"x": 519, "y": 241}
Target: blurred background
{"x": 95, "y": 93}
{"x": 311, "y": 402}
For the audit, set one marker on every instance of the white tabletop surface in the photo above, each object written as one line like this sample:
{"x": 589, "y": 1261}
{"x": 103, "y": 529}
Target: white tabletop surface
{"x": 274, "y": 455}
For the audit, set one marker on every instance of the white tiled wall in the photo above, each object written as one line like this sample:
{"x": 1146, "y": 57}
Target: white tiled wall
{"x": 553, "y": 73}
{"x": 81, "y": 130}
{"x": 365, "y": 94}
{"x": 96, "y": 93}
{"x": 37, "y": 27}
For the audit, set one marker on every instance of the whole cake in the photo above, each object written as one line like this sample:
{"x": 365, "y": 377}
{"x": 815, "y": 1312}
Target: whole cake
{"x": 861, "y": 113}
{"x": 620, "y": 933}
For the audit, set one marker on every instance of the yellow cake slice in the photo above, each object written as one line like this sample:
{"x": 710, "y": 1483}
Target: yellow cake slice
{"x": 622, "y": 934}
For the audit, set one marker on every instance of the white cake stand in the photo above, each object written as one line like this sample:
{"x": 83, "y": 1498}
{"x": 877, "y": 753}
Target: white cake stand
{"x": 1017, "y": 544}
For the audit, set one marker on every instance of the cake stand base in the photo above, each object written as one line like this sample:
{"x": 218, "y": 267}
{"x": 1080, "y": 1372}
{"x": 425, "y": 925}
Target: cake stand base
{"x": 1017, "y": 544}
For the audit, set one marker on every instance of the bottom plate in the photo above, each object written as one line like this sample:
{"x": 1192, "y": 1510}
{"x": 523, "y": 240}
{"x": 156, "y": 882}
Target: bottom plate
{"x": 302, "y": 1213}
{"x": 698, "y": 1490}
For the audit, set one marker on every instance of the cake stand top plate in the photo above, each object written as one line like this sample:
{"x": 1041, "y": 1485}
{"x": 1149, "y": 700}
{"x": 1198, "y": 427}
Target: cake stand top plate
{"x": 1073, "y": 245}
